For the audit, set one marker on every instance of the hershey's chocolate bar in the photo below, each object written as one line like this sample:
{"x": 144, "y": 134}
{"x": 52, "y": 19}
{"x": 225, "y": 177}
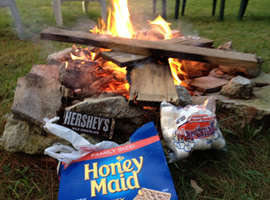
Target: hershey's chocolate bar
{"x": 88, "y": 124}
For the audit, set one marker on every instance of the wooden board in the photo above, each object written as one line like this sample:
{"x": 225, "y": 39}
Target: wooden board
{"x": 122, "y": 59}
{"x": 152, "y": 83}
{"x": 154, "y": 48}
{"x": 191, "y": 41}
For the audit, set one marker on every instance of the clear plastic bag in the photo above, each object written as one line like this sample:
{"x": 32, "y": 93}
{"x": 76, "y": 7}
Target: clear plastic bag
{"x": 81, "y": 146}
{"x": 190, "y": 128}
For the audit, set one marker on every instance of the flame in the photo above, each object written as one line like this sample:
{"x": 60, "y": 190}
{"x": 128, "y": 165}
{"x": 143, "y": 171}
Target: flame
{"x": 73, "y": 57}
{"x": 66, "y": 64}
{"x": 160, "y": 25}
{"x": 175, "y": 66}
{"x": 93, "y": 55}
{"x": 119, "y": 24}
{"x": 118, "y": 21}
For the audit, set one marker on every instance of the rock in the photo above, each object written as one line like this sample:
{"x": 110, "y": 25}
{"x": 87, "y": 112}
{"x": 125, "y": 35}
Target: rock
{"x": 128, "y": 117}
{"x": 22, "y": 136}
{"x": 208, "y": 84}
{"x": 37, "y": 97}
{"x": 238, "y": 87}
{"x": 58, "y": 57}
{"x": 111, "y": 107}
{"x": 217, "y": 73}
{"x": 47, "y": 71}
{"x": 241, "y": 107}
{"x": 184, "y": 97}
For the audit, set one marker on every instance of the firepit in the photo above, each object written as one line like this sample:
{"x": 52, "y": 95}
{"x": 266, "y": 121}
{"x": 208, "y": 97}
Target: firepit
{"x": 124, "y": 79}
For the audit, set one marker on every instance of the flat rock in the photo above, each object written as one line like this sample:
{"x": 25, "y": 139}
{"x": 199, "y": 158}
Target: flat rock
{"x": 22, "y": 136}
{"x": 128, "y": 117}
{"x": 111, "y": 107}
{"x": 260, "y": 101}
{"x": 47, "y": 71}
{"x": 208, "y": 84}
{"x": 37, "y": 97}
{"x": 58, "y": 57}
{"x": 238, "y": 87}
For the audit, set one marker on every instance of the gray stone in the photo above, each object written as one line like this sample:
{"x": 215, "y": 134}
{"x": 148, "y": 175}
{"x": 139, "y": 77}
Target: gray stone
{"x": 58, "y": 57}
{"x": 128, "y": 117}
{"x": 47, "y": 71}
{"x": 238, "y": 87}
{"x": 260, "y": 102}
{"x": 112, "y": 107}
{"x": 22, "y": 136}
{"x": 37, "y": 97}
{"x": 184, "y": 97}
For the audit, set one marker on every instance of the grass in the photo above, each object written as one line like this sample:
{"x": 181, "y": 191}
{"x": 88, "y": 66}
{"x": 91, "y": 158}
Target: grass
{"x": 241, "y": 172}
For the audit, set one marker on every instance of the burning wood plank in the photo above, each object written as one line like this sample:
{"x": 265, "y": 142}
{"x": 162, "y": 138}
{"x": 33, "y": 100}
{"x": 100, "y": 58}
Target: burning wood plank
{"x": 122, "y": 59}
{"x": 152, "y": 83}
{"x": 191, "y": 41}
{"x": 155, "y": 48}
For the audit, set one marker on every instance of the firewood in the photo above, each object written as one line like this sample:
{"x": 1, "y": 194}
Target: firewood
{"x": 119, "y": 76}
{"x": 101, "y": 82}
{"x": 151, "y": 84}
{"x": 122, "y": 59}
{"x": 155, "y": 48}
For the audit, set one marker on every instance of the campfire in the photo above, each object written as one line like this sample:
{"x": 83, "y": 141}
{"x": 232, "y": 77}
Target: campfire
{"x": 93, "y": 70}
{"x": 96, "y": 70}
{"x": 123, "y": 74}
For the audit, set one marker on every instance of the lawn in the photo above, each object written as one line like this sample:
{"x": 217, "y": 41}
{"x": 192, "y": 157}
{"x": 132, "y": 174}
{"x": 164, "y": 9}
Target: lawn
{"x": 241, "y": 172}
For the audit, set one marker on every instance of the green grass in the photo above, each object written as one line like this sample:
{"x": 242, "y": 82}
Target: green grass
{"x": 241, "y": 172}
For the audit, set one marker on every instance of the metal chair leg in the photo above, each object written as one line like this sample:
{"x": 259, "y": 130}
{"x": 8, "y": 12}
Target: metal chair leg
{"x": 17, "y": 19}
{"x": 242, "y": 9}
{"x": 57, "y": 12}
{"x": 183, "y": 7}
{"x": 154, "y": 6}
{"x": 214, "y": 7}
{"x": 221, "y": 12}
{"x": 176, "y": 12}
{"x": 164, "y": 9}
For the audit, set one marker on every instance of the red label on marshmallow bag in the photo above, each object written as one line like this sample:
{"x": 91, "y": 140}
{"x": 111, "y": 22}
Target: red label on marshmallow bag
{"x": 196, "y": 126}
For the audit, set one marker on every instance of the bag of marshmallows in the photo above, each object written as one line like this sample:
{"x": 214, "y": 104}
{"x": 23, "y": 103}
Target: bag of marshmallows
{"x": 190, "y": 128}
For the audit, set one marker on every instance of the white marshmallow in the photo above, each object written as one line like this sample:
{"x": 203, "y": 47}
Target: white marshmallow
{"x": 167, "y": 111}
{"x": 166, "y": 122}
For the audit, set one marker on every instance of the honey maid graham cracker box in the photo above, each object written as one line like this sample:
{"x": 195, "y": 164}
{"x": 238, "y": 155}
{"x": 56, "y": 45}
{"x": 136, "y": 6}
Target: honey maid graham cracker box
{"x": 137, "y": 170}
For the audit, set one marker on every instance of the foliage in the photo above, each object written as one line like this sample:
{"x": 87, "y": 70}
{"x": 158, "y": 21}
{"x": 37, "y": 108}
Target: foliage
{"x": 241, "y": 172}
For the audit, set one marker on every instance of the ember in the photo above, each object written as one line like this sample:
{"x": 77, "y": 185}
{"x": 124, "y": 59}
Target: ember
{"x": 84, "y": 71}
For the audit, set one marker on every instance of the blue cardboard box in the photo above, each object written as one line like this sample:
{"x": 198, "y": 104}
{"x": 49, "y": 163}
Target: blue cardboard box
{"x": 132, "y": 171}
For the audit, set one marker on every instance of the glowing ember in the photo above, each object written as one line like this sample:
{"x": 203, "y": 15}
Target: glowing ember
{"x": 93, "y": 73}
